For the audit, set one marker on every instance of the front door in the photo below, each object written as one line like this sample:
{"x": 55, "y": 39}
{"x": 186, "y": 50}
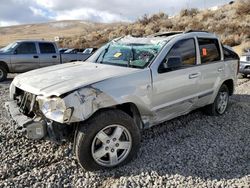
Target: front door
{"x": 25, "y": 57}
{"x": 175, "y": 87}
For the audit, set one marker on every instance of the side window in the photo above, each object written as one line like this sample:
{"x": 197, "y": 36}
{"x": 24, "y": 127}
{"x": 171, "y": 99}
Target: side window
{"x": 26, "y": 48}
{"x": 209, "y": 50}
{"x": 182, "y": 55}
{"x": 47, "y": 48}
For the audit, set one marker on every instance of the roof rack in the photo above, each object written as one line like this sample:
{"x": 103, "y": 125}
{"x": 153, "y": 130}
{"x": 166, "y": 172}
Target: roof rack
{"x": 170, "y": 33}
{"x": 165, "y": 34}
{"x": 191, "y": 31}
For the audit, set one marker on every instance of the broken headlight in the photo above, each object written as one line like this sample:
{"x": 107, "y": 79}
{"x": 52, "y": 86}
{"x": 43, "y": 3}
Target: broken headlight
{"x": 55, "y": 109}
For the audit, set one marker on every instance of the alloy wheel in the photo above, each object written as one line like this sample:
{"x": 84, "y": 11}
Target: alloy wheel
{"x": 111, "y": 145}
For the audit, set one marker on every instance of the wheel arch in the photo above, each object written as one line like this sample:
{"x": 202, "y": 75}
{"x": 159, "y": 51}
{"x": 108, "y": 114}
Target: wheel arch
{"x": 230, "y": 85}
{"x": 129, "y": 108}
{"x": 4, "y": 65}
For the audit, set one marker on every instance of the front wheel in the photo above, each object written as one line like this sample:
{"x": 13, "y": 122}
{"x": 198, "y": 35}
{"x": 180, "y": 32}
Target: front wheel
{"x": 3, "y": 74}
{"x": 108, "y": 140}
{"x": 220, "y": 103}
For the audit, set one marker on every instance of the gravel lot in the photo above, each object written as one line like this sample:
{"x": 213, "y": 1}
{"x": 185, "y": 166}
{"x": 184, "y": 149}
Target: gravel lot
{"x": 191, "y": 151}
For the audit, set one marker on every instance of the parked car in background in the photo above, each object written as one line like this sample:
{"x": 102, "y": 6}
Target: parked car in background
{"x": 89, "y": 50}
{"x": 245, "y": 65}
{"x": 72, "y": 51}
{"x": 62, "y": 50}
{"x": 22, "y": 56}
{"x": 128, "y": 85}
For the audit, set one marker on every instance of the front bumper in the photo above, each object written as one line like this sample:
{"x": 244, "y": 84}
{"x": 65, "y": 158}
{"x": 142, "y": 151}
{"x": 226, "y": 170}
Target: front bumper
{"x": 33, "y": 128}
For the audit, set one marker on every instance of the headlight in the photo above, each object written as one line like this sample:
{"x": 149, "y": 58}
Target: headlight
{"x": 54, "y": 109}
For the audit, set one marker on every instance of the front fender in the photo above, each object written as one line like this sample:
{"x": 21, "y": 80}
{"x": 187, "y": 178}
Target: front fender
{"x": 87, "y": 101}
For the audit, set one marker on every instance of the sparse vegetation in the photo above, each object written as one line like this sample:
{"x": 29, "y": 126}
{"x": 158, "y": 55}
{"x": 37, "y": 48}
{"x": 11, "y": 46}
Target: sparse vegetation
{"x": 230, "y": 22}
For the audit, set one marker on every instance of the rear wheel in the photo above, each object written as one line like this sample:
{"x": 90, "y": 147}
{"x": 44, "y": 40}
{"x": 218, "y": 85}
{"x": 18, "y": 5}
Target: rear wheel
{"x": 108, "y": 140}
{"x": 3, "y": 74}
{"x": 220, "y": 103}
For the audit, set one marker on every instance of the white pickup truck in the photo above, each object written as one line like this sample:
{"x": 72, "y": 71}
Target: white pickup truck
{"x": 22, "y": 56}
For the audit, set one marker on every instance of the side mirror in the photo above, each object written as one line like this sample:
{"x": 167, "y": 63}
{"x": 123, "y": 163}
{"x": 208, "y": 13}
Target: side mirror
{"x": 15, "y": 52}
{"x": 173, "y": 63}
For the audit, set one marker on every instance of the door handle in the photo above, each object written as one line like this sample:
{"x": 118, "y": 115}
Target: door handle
{"x": 54, "y": 56}
{"x": 35, "y": 56}
{"x": 194, "y": 75}
{"x": 220, "y": 69}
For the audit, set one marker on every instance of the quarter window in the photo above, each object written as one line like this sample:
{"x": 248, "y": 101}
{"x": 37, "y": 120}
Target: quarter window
{"x": 47, "y": 48}
{"x": 26, "y": 48}
{"x": 229, "y": 54}
{"x": 209, "y": 50}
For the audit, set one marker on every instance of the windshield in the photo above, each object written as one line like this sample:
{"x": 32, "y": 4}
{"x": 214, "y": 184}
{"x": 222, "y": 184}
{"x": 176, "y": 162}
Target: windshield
{"x": 136, "y": 55}
{"x": 9, "y": 48}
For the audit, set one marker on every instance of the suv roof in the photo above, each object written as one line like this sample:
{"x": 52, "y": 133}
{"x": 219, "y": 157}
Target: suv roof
{"x": 163, "y": 36}
{"x": 170, "y": 33}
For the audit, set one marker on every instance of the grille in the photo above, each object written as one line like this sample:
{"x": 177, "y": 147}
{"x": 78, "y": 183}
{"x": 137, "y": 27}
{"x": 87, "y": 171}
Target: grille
{"x": 26, "y": 102}
{"x": 248, "y": 58}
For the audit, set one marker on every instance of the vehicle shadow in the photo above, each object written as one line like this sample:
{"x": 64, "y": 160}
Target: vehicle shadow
{"x": 196, "y": 145}
{"x": 7, "y": 82}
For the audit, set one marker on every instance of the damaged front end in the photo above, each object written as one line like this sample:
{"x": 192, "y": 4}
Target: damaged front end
{"x": 38, "y": 117}
{"x": 50, "y": 117}
{"x": 23, "y": 113}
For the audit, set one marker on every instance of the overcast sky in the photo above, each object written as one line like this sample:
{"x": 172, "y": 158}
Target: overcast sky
{"x": 14, "y": 12}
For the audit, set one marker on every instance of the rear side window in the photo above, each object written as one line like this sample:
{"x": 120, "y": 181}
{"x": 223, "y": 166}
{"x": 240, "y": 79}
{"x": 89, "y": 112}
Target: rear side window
{"x": 47, "y": 48}
{"x": 209, "y": 50}
{"x": 26, "y": 48}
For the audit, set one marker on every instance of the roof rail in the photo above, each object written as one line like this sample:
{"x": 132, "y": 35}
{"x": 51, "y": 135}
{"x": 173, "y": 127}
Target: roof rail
{"x": 165, "y": 34}
{"x": 191, "y": 31}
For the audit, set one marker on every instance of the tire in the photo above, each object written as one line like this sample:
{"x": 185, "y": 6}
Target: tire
{"x": 220, "y": 103}
{"x": 99, "y": 138}
{"x": 3, "y": 74}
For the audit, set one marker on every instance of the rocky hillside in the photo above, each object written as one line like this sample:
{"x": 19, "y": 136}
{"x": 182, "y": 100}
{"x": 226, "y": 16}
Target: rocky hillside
{"x": 231, "y": 22}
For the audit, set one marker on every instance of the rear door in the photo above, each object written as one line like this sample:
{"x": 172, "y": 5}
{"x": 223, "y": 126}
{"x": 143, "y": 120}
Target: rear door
{"x": 48, "y": 54}
{"x": 211, "y": 67}
{"x": 25, "y": 57}
{"x": 175, "y": 91}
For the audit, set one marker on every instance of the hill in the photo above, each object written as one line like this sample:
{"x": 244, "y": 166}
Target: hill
{"x": 47, "y": 31}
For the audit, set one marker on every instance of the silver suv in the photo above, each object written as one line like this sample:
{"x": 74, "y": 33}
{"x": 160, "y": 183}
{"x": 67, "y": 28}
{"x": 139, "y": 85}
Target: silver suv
{"x": 128, "y": 85}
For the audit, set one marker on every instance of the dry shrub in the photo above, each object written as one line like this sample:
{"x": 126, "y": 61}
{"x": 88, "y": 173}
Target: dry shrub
{"x": 189, "y": 12}
{"x": 144, "y": 20}
{"x": 242, "y": 7}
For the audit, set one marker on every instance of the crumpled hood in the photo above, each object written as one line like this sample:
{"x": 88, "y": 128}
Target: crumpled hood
{"x": 60, "y": 79}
